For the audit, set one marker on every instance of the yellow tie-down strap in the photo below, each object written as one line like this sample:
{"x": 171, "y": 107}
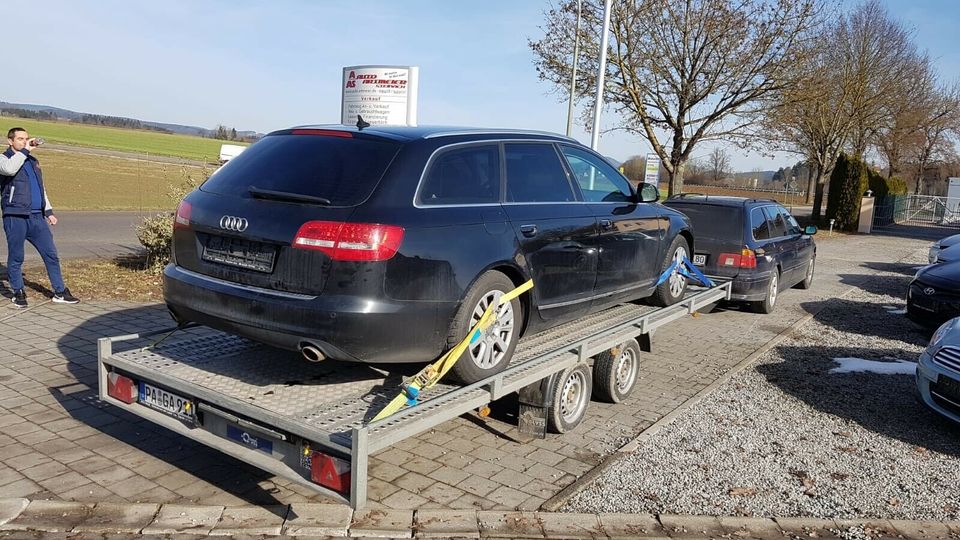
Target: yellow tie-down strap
{"x": 432, "y": 373}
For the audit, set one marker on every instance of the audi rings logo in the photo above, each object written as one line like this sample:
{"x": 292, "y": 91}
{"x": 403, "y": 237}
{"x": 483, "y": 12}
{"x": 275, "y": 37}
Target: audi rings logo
{"x": 233, "y": 223}
{"x": 929, "y": 290}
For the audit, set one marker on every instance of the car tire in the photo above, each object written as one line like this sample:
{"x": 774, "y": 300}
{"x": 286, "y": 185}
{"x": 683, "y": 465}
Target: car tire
{"x": 570, "y": 397}
{"x": 808, "y": 277}
{"x": 671, "y": 291}
{"x": 767, "y": 305}
{"x": 492, "y": 352}
{"x": 615, "y": 372}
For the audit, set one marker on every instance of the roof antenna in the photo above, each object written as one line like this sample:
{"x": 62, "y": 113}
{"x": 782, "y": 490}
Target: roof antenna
{"x": 361, "y": 124}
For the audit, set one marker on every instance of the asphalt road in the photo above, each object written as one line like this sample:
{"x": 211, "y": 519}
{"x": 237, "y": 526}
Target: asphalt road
{"x": 90, "y": 234}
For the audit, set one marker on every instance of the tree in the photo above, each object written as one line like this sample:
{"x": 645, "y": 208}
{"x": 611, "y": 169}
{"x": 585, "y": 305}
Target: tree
{"x": 718, "y": 163}
{"x": 939, "y": 123}
{"x": 681, "y": 73}
{"x": 634, "y": 168}
{"x": 848, "y": 181}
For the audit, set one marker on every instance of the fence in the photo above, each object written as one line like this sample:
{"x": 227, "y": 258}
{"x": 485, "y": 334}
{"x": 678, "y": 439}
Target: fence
{"x": 918, "y": 211}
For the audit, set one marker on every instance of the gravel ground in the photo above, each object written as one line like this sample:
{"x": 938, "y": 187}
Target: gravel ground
{"x": 788, "y": 438}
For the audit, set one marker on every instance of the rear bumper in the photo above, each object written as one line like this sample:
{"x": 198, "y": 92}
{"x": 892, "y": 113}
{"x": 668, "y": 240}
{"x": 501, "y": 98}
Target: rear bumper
{"x": 369, "y": 330}
{"x": 748, "y": 288}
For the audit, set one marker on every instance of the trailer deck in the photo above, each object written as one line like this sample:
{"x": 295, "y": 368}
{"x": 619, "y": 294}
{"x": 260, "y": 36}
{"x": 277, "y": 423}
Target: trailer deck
{"x": 273, "y": 409}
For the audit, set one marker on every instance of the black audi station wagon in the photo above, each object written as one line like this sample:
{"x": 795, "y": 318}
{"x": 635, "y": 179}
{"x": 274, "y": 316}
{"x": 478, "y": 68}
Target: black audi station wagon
{"x": 386, "y": 244}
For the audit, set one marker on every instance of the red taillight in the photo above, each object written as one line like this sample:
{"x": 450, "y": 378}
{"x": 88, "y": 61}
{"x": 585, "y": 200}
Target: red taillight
{"x": 350, "y": 241}
{"x": 182, "y": 220}
{"x": 745, "y": 259}
{"x": 330, "y": 472}
{"x": 121, "y": 388}
{"x": 324, "y": 132}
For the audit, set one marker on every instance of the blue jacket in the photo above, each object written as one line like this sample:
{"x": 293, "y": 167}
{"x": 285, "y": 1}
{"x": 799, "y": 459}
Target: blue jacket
{"x": 15, "y": 190}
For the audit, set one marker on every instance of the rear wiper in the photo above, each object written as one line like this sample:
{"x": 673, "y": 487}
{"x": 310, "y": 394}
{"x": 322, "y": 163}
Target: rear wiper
{"x": 260, "y": 193}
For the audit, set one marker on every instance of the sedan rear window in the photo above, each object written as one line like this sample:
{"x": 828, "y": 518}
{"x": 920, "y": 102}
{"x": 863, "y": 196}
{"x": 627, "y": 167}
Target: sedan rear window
{"x": 723, "y": 223}
{"x": 342, "y": 170}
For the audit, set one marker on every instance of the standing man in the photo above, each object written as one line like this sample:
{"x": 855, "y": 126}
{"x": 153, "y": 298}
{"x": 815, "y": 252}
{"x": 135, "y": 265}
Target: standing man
{"x": 27, "y": 216}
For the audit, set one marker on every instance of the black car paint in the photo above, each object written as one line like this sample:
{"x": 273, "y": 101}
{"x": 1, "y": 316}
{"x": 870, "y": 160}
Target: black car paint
{"x": 789, "y": 254}
{"x": 400, "y": 310}
{"x": 933, "y": 296}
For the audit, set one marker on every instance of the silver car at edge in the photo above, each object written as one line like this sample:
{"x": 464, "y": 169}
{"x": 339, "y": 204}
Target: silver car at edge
{"x": 938, "y": 371}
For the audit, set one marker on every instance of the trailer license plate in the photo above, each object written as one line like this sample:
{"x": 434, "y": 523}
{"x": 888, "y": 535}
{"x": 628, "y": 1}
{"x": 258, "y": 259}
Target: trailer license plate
{"x": 168, "y": 402}
{"x": 699, "y": 260}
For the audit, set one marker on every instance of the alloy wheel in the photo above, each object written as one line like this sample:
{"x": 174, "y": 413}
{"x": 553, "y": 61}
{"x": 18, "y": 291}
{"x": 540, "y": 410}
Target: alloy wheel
{"x": 490, "y": 349}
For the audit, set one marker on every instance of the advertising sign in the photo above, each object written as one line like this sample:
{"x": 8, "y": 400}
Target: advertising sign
{"x": 382, "y": 95}
{"x": 651, "y": 172}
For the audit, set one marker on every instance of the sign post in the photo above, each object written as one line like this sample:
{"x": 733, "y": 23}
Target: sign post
{"x": 651, "y": 170}
{"x": 382, "y": 95}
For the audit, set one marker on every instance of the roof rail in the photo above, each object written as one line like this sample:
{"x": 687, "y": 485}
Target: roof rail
{"x": 689, "y": 194}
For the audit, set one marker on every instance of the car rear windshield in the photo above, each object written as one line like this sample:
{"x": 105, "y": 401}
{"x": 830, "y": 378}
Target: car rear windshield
{"x": 342, "y": 170}
{"x": 716, "y": 222}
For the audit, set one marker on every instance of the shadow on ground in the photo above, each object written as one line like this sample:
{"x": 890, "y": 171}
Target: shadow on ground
{"x": 882, "y": 403}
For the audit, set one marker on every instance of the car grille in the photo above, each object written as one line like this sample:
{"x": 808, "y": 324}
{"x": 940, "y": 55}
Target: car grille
{"x": 948, "y": 357}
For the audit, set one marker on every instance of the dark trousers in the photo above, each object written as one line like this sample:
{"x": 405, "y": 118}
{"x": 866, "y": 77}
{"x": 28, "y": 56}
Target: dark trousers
{"x": 33, "y": 229}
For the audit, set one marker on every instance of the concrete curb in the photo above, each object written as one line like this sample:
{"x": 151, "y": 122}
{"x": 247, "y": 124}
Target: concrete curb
{"x": 554, "y": 503}
{"x": 310, "y": 520}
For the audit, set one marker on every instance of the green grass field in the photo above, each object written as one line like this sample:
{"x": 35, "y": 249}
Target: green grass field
{"x": 77, "y": 181}
{"x": 126, "y": 140}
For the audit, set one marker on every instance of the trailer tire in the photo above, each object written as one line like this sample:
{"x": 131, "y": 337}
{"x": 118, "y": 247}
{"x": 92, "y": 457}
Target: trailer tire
{"x": 569, "y": 398}
{"x": 615, "y": 372}
{"x": 488, "y": 356}
{"x": 671, "y": 291}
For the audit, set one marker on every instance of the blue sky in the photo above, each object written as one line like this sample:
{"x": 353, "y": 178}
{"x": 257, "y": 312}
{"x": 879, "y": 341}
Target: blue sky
{"x": 266, "y": 65}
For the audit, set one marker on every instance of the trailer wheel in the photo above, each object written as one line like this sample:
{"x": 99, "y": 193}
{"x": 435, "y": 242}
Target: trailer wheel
{"x": 615, "y": 372}
{"x": 569, "y": 398}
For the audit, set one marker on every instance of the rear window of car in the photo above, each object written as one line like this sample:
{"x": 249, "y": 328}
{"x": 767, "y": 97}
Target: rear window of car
{"x": 343, "y": 170}
{"x": 715, "y": 222}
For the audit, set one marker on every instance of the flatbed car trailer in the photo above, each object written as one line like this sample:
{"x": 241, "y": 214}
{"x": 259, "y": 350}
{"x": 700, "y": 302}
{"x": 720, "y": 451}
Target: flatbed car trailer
{"x": 311, "y": 422}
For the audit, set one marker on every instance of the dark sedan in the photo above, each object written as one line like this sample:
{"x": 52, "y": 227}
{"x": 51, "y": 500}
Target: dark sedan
{"x": 386, "y": 244}
{"x": 754, "y": 242}
{"x": 934, "y": 294}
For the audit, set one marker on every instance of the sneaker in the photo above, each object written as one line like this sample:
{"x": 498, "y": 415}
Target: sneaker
{"x": 65, "y": 297}
{"x": 19, "y": 299}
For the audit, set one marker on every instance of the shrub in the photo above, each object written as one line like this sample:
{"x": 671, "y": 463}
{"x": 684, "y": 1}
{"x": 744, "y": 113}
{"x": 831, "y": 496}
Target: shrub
{"x": 155, "y": 233}
{"x": 848, "y": 183}
{"x": 882, "y": 186}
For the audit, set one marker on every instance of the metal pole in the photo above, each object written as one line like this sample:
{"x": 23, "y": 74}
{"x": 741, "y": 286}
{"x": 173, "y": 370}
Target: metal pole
{"x": 573, "y": 76}
{"x": 595, "y": 136}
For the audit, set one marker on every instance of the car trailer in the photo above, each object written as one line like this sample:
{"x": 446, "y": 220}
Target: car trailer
{"x": 311, "y": 422}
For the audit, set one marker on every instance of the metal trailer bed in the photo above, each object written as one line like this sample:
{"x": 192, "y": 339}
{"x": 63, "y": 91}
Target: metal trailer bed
{"x": 273, "y": 410}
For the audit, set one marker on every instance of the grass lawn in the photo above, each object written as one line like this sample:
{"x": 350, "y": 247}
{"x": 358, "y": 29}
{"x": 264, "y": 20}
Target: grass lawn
{"x": 76, "y": 181}
{"x": 95, "y": 279}
{"x": 127, "y": 140}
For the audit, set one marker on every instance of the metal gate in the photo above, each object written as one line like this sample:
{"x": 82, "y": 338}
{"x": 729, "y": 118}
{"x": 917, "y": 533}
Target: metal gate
{"x": 924, "y": 214}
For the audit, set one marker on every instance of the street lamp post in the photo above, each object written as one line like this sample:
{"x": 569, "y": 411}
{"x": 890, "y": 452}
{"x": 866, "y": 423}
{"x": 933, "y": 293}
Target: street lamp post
{"x": 595, "y": 136}
{"x": 573, "y": 76}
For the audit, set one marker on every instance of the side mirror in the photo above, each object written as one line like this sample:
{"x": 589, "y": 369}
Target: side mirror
{"x": 810, "y": 230}
{"x": 648, "y": 193}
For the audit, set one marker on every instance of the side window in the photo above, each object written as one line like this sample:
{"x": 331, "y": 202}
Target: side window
{"x": 778, "y": 225}
{"x": 758, "y": 222}
{"x": 469, "y": 175}
{"x": 535, "y": 174}
{"x": 599, "y": 182}
{"x": 793, "y": 228}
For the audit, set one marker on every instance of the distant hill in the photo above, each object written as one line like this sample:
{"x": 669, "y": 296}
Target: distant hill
{"x": 74, "y": 116}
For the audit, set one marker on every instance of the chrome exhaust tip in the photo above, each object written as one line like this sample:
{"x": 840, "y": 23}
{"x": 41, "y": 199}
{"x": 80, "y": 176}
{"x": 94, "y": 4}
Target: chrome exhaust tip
{"x": 312, "y": 353}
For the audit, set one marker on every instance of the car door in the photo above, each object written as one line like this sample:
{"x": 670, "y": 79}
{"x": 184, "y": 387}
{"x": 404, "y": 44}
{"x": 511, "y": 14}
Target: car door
{"x": 780, "y": 245}
{"x": 629, "y": 240}
{"x": 800, "y": 244}
{"x": 556, "y": 233}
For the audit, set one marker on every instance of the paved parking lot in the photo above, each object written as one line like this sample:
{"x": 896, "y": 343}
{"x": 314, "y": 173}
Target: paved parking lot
{"x": 62, "y": 444}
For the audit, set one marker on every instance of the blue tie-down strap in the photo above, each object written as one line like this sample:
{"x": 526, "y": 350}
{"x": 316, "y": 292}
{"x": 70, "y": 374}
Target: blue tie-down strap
{"x": 688, "y": 270}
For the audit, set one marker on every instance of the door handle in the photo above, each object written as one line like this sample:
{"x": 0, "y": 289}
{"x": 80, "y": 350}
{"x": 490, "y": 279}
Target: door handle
{"x": 606, "y": 224}
{"x": 528, "y": 230}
